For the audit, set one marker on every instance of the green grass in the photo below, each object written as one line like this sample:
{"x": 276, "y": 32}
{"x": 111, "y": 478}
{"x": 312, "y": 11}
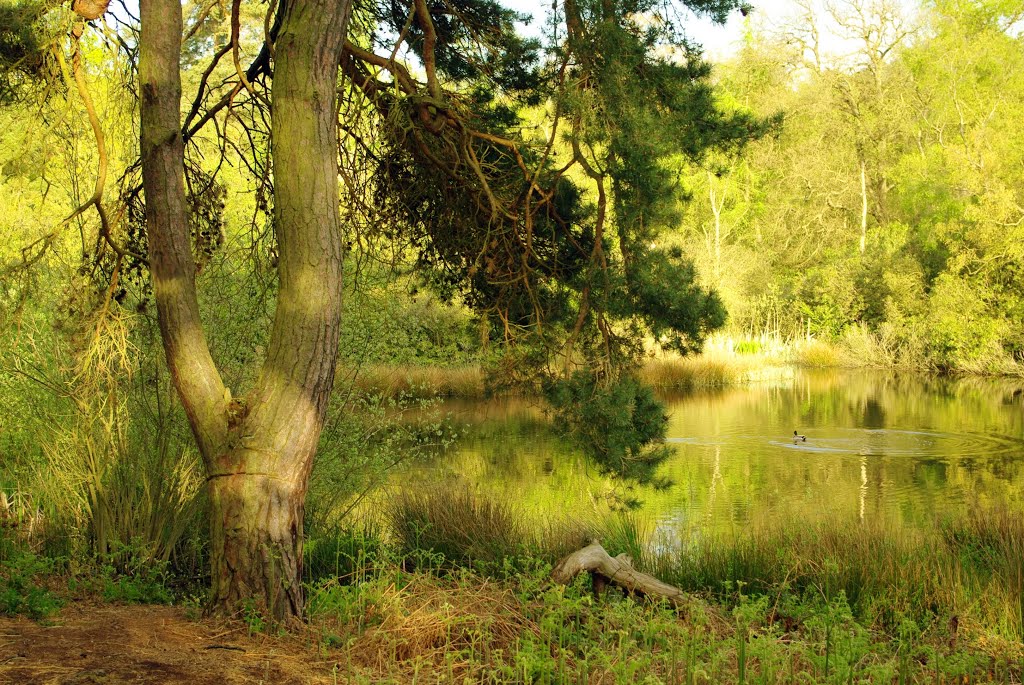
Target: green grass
{"x": 456, "y": 588}
{"x": 23, "y": 583}
{"x": 442, "y": 527}
{"x": 971, "y": 568}
{"x": 463, "y": 626}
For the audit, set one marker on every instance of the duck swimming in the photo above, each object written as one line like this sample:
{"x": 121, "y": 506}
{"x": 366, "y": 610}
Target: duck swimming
{"x": 798, "y": 438}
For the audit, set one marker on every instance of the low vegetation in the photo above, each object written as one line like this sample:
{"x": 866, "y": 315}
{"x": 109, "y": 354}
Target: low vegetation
{"x": 448, "y": 586}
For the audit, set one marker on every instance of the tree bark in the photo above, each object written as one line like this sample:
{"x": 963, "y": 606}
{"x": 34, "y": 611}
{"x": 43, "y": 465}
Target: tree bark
{"x": 171, "y": 265}
{"x": 863, "y": 206}
{"x": 258, "y": 448}
{"x": 258, "y": 485}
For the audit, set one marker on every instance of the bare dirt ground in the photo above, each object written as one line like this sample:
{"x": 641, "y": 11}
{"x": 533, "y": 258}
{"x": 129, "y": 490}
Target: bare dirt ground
{"x": 108, "y": 644}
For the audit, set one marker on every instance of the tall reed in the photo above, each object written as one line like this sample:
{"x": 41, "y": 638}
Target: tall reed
{"x": 412, "y": 381}
{"x": 972, "y": 567}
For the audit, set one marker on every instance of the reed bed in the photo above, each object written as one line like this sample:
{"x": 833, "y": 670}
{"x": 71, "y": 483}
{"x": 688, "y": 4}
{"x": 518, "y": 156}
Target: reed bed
{"x": 412, "y": 382}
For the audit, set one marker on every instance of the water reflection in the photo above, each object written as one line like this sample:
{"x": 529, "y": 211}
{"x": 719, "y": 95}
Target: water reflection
{"x": 877, "y": 446}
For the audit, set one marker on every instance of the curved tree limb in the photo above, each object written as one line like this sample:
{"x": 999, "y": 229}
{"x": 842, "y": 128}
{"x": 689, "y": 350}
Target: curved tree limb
{"x": 619, "y": 571}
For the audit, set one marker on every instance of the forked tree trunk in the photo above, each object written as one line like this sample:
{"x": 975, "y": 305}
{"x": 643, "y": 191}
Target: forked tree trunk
{"x": 258, "y": 448}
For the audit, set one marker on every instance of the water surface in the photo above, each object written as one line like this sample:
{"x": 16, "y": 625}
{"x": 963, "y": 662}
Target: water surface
{"x": 904, "y": 449}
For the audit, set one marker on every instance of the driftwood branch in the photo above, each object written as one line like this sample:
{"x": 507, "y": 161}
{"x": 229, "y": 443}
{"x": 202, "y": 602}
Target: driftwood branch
{"x": 619, "y": 571}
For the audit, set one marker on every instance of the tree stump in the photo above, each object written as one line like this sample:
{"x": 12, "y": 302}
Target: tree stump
{"x": 606, "y": 569}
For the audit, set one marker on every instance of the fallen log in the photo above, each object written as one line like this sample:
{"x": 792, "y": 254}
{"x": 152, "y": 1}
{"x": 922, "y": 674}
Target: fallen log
{"x": 619, "y": 571}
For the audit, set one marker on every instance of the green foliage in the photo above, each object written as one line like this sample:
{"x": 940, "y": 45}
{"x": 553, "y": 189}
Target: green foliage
{"x": 542, "y": 255}
{"x": 24, "y": 39}
{"x": 661, "y": 290}
{"x": 23, "y": 582}
{"x": 924, "y": 256}
{"x": 130, "y": 576}
{"x": 389, "y": 321}
{"x": 342, "y": 553}
{"x": 619, "y": 424}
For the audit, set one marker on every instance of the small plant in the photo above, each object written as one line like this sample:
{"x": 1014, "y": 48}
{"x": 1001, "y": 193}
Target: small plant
{"x": 254, "y": 618}
{"x": 127, "y": 575}
{"x": 22, "y": 588}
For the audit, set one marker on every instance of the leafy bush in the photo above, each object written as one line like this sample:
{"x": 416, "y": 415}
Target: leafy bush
{"x": 128, "y": 575}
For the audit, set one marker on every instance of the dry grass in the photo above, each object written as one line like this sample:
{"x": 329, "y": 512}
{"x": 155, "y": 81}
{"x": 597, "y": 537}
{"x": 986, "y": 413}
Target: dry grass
{"x": 690, "y": 372}
{"x": 437, "y": 631}
{"x": 724, "y": 361}
{"x": 816, "y": 353}
{"x": 421, "y": 381}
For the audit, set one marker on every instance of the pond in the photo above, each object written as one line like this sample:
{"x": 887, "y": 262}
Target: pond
{"x": 907, "y": 450}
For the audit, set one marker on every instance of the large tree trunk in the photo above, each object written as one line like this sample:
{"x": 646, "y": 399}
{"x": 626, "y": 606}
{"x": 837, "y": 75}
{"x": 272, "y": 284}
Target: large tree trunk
{"x": 256, "y": 538}
{"x": 258, "y": 448}
{"x": 258, "y": 485}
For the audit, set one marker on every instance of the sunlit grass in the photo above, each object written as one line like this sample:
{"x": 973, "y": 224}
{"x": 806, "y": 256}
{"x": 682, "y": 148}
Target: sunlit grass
{"x": 457, "y": 526}
{"x": 410, "y": 381}
{"x": 828, "y": 601}
{"x": 885, "y": 571}
{"x": 724, "y": 361}
{"x": 817, "y": 354}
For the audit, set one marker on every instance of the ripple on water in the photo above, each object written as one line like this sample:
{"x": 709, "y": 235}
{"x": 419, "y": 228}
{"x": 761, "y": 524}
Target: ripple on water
{"x": 877, "y": 442}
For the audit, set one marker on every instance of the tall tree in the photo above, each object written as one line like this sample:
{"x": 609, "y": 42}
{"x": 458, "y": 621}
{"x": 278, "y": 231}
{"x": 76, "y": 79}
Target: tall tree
{"x": 258, "y": 448}
{"x": 549, "y": 237}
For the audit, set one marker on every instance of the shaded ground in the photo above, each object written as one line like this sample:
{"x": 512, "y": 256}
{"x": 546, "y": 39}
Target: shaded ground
{"x": 108, "y": 644}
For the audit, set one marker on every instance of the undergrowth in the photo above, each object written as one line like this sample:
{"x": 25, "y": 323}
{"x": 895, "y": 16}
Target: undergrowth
{"x": 458, "y": 589}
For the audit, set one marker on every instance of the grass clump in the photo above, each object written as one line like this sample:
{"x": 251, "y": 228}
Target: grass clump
{"x": 343, "y": 552}
{"x": 463, "y": 627}
{"x": 456, "y": 526}
{"x": 818, "y": 354}
{"x": 703, "y": 371}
